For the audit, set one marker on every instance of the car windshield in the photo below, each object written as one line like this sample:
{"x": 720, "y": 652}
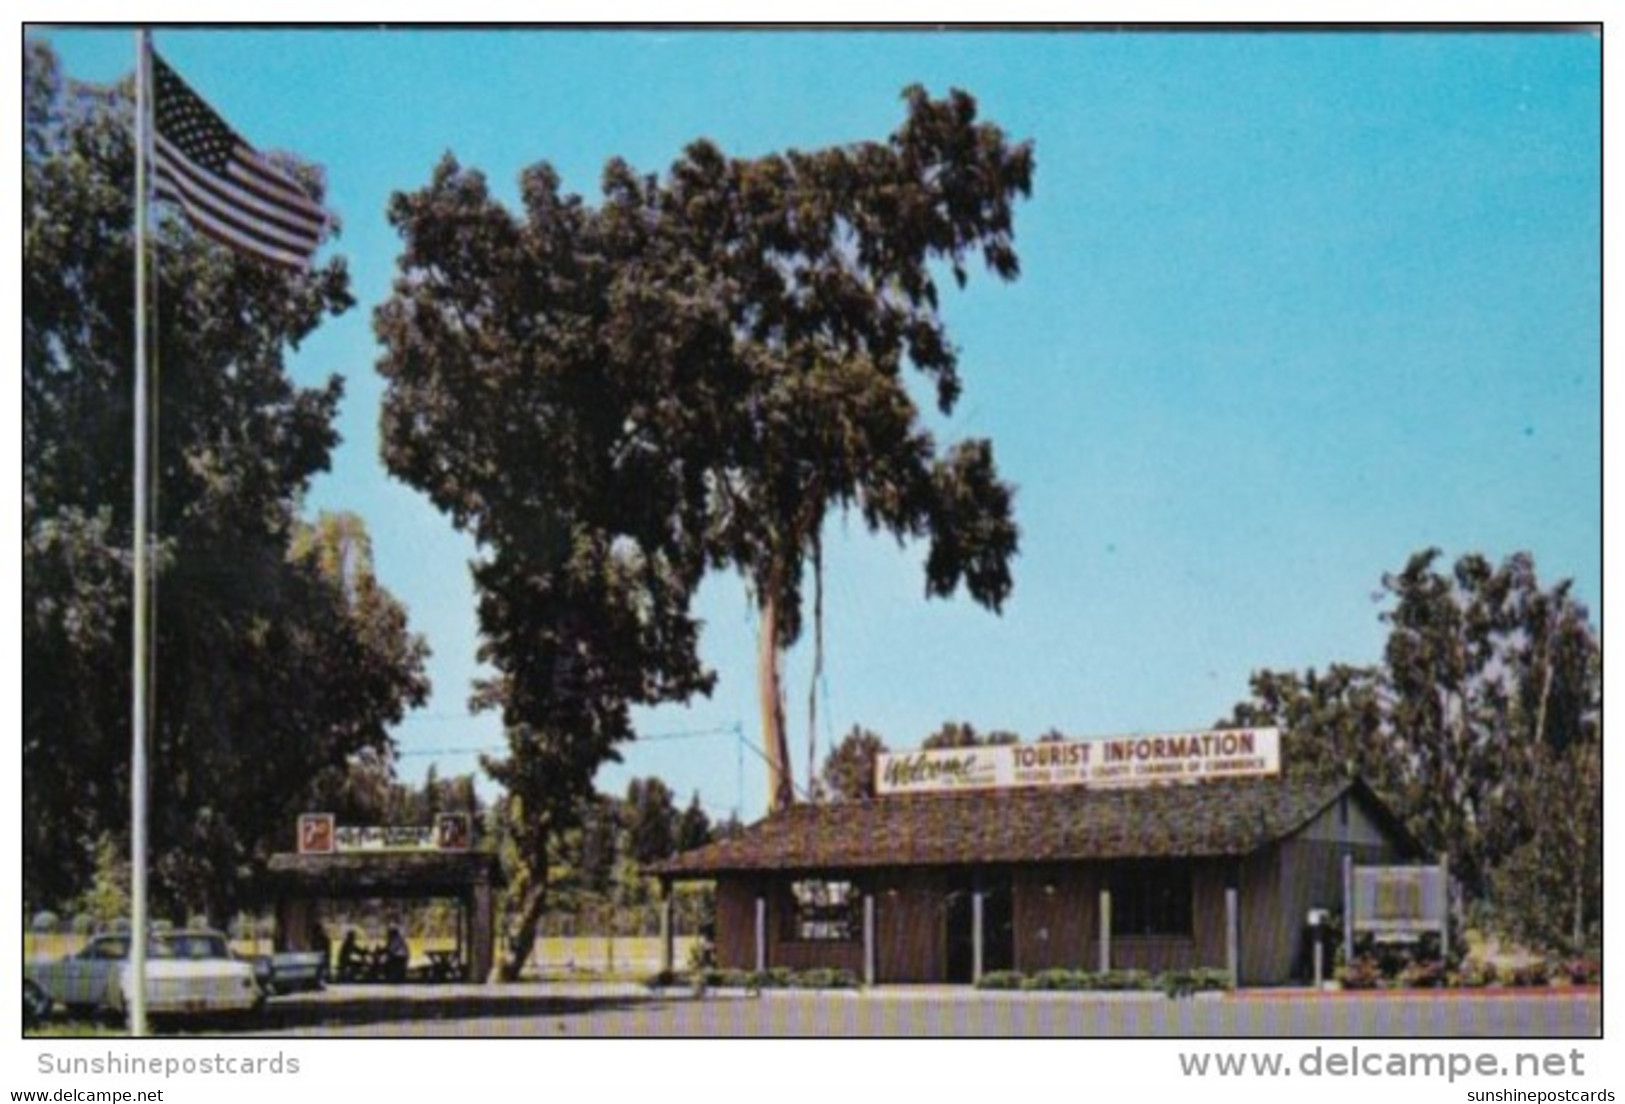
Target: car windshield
{"x": 197, "y": 945}
{"x": 117, "y": 948}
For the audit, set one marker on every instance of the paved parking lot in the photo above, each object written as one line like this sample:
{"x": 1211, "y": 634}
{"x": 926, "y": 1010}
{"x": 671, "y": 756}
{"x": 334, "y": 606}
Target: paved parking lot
{"x": 555, "y": 1010}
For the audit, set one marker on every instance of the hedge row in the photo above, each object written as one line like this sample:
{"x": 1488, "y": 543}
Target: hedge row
{"x": 1175, "y": 983}
{"x": 779, "y": 977}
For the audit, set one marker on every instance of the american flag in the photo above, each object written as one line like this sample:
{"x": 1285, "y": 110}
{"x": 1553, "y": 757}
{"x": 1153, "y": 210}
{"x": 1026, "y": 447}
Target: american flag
{"x": 227, "y": 189}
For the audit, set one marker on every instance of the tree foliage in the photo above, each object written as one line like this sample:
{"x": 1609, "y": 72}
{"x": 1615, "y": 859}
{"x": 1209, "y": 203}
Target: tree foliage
{"x": 849, "y": 769}
{"x": 1482, "y": 728}
{"x": 270, "y": 664}
{"x": 693, "y": 825}
{"x": 651, "y": 820}
{"x": 612, "y": 400}
{"x": 1332, "y": 722}
{"x": 960, "y": 734}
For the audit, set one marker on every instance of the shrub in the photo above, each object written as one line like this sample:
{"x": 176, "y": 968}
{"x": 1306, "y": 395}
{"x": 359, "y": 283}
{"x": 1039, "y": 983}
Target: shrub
{"x": 663, "y": 979}
{"x": 775, "y": 977}
{"x": 725, "y": 979}
{"x": 1422, "y": 975}
{"x": 1363, "y": 973}
{"x": 1060, "y": 979}
{"x": 1123, "y": 979}
{"x": 1527, "y": 976}
{"x": 1183, "y": 983}
{"x": 1001, "y": 979}
{"x": 702, "y": 955}
{"x": 1476, "y": 974}
{"x": 1582, "y": 970}
{"x": 824, "y": 978}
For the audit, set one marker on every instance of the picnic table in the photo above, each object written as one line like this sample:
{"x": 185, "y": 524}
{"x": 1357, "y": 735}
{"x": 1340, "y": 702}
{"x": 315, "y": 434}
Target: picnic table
{"x": 444, "y": 966}
{"x": 368, "y": 964}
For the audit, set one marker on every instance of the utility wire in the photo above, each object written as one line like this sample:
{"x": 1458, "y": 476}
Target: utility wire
{"x": 692, "y": 734}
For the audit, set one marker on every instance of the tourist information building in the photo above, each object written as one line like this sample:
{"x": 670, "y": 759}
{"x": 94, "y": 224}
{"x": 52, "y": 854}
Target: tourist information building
{"x": 1155, "y": 852}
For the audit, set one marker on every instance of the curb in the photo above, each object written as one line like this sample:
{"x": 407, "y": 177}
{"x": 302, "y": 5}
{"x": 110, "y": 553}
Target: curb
{"x": 1491, "y": 992}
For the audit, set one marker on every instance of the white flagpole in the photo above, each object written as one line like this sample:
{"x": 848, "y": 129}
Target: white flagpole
{"x": 140, "y": 634}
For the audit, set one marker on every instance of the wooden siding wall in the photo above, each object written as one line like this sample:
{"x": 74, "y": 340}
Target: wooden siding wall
{"x": 736, "y": 923}
{"x": 1359, "y": 827}
{"x": 1057, "y": 929}
{"x": 1060, "y": 929}
{"x": 1280, "y": 885}
{"x": 910, "y": 925}
{"x": 1259, "y": 922}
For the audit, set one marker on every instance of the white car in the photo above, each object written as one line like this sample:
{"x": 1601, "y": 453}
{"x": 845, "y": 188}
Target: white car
{"x": 187, "y": 972}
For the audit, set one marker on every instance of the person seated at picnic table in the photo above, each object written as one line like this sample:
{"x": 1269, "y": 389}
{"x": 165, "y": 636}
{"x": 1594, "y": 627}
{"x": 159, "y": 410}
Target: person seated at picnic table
{"x": 349, "y": 957}
{"x": 396, "y": 955}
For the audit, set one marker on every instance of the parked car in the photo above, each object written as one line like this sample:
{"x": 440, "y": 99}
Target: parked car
{"x": 291, "y": 971}
{"x": 187, "y": 972}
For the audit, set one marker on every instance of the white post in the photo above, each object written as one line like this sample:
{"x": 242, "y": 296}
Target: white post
{"x": 1348, "y": 908}
{"x": 869, "y": 939}
{"x": 1105, "y": 930}
{"x": 667, "y": 955}
{"x": 1232, "y": 936}
{"x": 761, "y": 934}
{"x": 140, "y": 614}
{"x": 976, "y": 936}
{"x": 1444, "y": 931}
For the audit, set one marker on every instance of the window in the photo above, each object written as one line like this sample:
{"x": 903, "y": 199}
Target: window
{"x": 824, "y": 910}
{"x": 1154, "y": 899}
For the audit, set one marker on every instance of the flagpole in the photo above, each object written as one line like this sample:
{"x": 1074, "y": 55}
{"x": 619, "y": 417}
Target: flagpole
{"x": 140, "y": 629}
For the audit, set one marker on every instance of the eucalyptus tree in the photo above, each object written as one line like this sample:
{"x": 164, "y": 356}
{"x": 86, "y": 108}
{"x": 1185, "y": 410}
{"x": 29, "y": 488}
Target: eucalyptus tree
{"x": 615, "y": 399}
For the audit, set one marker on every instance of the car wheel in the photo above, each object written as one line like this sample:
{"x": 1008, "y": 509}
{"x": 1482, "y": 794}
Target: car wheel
{"x": 36, "y": 1004}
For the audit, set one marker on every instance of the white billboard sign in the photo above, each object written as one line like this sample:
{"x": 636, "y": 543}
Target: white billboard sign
{"x": 1114, "y": 761}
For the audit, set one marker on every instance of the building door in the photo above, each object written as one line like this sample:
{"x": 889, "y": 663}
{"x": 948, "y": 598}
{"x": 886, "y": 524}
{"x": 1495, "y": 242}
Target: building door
{"x": 998, "y": 926}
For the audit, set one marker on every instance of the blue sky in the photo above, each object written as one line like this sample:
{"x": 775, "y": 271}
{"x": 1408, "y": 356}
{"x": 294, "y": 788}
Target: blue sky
{"x": 1292, "y": 307}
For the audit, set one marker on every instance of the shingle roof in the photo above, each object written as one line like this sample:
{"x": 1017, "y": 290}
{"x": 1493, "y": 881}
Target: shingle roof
{"x": 1030, "y": 825}
{"x": 361, "y": 873}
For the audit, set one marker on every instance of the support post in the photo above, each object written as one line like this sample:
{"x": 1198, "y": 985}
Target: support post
{"x": 1105, "y": 930}
{"x": 1444, "y": 930}
{"x": 976, "y": 900}
{"x": 869, "y": 939}
{"x": 761, "y": 934}
{"x": 1348, "y": 907}
{"x": 140, "y": 629}
{"x": 1232, "y": 935}
{"x": 667, "y": 950}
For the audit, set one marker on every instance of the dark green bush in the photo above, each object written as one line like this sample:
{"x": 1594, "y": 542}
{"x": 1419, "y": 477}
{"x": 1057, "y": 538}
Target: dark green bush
{"x": 1124, "y": 980}
{"x": 1001, "y": 979}
{"x": 824, "y": 978}
{"x": 1184, "y": 983}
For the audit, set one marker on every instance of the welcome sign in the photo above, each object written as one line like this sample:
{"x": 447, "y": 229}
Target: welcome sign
{"x": 1113, "y": 761}
{"x": 318, "y": 834}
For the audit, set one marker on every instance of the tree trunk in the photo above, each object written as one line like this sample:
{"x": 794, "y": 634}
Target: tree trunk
{"x": 780, "y": 789}
{"x": 524, "y": 941}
